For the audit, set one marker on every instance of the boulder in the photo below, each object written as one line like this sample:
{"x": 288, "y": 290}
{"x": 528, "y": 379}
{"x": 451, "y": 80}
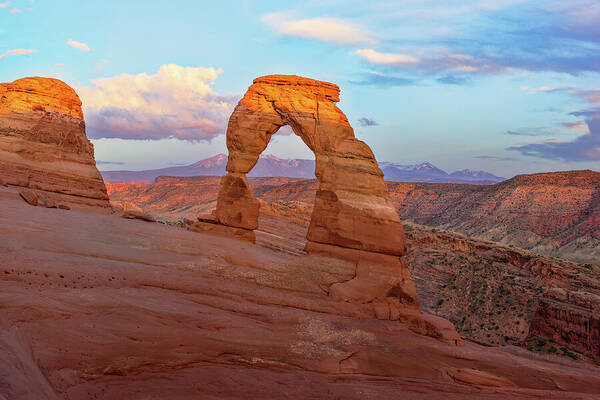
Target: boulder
{"x": 132, "y": 214}
{"x": 223, "y": 230}
{"x": 29, "y": 197}
{"x": 43, "y": 144}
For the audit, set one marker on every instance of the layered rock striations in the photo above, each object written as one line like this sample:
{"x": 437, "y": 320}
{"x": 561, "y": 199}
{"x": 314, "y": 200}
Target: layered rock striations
{"x": 352, "y": 219}
{"x": 352, "y": 208}
{"x": 43, "y": 144}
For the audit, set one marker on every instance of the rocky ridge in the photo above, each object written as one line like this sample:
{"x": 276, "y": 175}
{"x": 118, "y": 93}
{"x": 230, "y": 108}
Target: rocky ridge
{"x": 43, "y": 144}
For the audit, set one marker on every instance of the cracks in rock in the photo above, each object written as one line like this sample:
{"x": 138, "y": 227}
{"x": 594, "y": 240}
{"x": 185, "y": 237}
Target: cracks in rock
{"x": 345, "y": 359}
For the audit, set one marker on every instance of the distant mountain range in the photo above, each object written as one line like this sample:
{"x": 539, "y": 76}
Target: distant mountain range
{"x": 270, "y": 166}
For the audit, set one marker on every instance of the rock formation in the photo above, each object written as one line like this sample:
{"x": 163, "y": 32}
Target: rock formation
{"x": 353, "y": 218}
{"x": 352, "y": 208}
{"x": 43, "y": 144}
{"x": 96, "y": 307}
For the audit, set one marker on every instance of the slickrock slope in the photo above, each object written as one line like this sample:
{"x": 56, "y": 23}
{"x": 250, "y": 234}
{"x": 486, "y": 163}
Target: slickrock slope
{"x": 43, "y": 143}
{"x": 494, "y": 294}
{"x": 134, "y": 310}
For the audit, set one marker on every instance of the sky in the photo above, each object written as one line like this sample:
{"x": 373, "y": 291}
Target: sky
{"x": 505, "y": 86}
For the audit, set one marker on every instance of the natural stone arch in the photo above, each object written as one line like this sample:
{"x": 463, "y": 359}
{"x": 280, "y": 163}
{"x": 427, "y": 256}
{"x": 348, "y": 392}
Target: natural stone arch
{"x": 352, "y": 208}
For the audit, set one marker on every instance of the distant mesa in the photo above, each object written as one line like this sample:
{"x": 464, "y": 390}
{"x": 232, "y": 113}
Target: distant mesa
{"x": 43, "y": 144}
{"x": 272, "y": 166}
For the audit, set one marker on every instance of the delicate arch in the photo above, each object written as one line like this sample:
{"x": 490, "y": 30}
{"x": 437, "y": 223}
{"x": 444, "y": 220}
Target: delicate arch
{"x": 352, "y": 208}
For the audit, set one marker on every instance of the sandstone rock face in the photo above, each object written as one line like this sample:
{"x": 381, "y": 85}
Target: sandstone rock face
{"x": 42, "y": 140}
{"x": 132, "y": 214}
{"x": 150, "y": 311}
{"x": 29, "y": 197}
{"x": 352, "y": 208}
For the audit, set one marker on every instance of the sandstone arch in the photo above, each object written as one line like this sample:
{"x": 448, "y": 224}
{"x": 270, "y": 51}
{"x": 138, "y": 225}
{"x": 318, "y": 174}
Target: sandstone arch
{"x": 352, "y": 208}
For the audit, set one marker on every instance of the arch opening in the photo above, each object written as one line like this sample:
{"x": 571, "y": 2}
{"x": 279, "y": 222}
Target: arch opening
{"x": 351, "y": 207}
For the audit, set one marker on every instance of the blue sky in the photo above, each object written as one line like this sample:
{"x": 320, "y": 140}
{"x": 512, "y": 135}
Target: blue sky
{"x": 507, "y": 86}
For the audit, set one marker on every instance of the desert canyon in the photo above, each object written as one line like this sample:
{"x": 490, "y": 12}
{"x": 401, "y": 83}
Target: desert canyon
{"x": 285, "y": 288}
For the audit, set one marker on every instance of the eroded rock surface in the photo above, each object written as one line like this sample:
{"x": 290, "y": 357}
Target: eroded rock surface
{"x": 352, "y": 208}
{"x": 43, "y": 144}
{"x": 140, "y": 311}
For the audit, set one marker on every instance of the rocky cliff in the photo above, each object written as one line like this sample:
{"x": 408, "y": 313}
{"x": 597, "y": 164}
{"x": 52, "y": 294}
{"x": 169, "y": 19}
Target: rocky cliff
{"x": 556, "y": 214}
{"x": 132, "y": 310}
{"x": 43, "y": 144}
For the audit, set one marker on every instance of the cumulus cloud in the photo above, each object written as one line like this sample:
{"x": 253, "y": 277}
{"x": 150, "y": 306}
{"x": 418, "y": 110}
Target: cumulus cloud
{"x": 17, "y": 52}
{"x": 78, "y": 45}
{"x": 323, "y": 29}
{"x": 364, "y": 121}
{"x": 176, "y": 101}
{"x": 5, "y": 5}
{"x": 15, "y": 10}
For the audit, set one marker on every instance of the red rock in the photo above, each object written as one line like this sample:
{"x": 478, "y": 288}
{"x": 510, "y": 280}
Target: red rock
{"x": 223, "y": 230}
{"x": 474, "y": 377}
{"x": 128, "y": 206}
{"x": 132, "y": 214}
{"x": 2, "y": 183}
{"x": 48, "y": 202}
{"x": 352, "y": 208}
{"x": 29, "y": 197}
{"x": 236, "y": 204}
{"x": 64, "y": 207}
{"x": 153, "y": 311}
{"x": 43, "y": 144}
{"x": 208, "y": 218}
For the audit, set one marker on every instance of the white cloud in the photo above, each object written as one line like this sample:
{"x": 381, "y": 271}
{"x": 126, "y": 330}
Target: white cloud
{"x": 15, "y": 10}
{"x": 78, "y": 45}
{"x": 439, "y": 61}
{"x": 375, "y": 57}
{"x": 5, "y": 5}
{"x": 323, "y": 29}
{"x": 17, "y": 52}
{"x": 175, "y": 102}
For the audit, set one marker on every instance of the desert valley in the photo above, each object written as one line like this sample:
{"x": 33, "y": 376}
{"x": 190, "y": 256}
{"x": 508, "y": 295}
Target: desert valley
{"x": 279, "y": 287}
{"x": 247, "y": 200}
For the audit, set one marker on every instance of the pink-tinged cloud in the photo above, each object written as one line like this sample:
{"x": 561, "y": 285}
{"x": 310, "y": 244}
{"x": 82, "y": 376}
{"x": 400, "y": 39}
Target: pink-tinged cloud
{"x": 460, "y": 64}
{"x": 174, "y": 102}
{"x": 17, "y": 52}
{"x": 329, "y": 30}
{"x": 78, "y": 45}
{"x": 578, "y": 126}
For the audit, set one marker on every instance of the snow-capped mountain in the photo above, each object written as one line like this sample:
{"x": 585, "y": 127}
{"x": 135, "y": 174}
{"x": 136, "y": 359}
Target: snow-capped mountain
{"x": 269, "y": 165}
